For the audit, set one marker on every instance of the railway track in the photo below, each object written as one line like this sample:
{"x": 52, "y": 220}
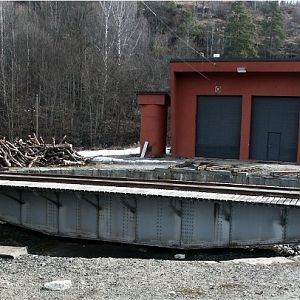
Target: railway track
{"x": 228, "y": 188}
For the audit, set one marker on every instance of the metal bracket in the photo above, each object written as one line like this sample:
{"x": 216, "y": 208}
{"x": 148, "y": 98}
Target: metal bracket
{"x": 217, "y": 221}
{"x": 82, "y": 197}
{"x": 230, "y": 222}
{"x": 130, "y": 207}
{"x": 284, "y": 222}
{"x": 14, "y": 198}
{"x": 227, "y": 214}
{"x": 47, "y": 198}
{"x": 177, "y": 211}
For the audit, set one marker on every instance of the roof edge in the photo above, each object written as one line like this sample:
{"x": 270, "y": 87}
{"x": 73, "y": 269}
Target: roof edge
{"x": 183, "y": 60}
{"x": 152, "y": 92}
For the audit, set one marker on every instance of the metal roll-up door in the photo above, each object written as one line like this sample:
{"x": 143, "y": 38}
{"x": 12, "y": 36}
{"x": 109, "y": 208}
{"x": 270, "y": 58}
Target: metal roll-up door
{"x": 218, "y": 126}
{"x": 274, "y": 128}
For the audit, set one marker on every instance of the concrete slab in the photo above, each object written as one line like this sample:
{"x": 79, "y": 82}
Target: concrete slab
{"x": 12, "y": 252}
{"x": 209, "y": 262}
{"x": 260, "y": 260}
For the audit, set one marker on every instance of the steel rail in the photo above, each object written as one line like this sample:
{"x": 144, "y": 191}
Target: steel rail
{"x": 142, "y": 180}
{"x": 227, "y": 188}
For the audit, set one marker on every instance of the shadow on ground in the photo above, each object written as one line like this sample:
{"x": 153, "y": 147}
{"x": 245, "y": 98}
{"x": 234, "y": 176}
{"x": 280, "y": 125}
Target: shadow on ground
{"x": 41, "y": 244}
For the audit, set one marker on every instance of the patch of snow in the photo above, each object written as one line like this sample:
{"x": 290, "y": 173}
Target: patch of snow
{"x": 105, "y": 155}
{"x": 110, "y": 152}
{"x": 179, "y": 256}
{"x": 260, "y": 260}
{"x": 105, "y": 159}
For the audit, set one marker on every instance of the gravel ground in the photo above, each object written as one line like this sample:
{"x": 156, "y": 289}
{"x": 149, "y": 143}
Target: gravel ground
{"x": 117, "y": 271}
{"x": 111, "y": 278}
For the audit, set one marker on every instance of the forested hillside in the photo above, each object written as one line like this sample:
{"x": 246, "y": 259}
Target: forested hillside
{"x": 74, "y": 67}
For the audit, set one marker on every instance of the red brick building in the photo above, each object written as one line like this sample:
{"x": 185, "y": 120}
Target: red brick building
{"x": 246, "y": 109}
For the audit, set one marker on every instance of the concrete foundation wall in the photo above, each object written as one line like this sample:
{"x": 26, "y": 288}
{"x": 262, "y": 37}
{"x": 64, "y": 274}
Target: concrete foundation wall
{"x": 177, "y": 174}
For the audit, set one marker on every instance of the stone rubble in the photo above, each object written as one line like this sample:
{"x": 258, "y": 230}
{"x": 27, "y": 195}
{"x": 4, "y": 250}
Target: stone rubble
{"x": 179, "y": 256}
{"x": 287, "y": 249}
{"x": 58, "y": 285}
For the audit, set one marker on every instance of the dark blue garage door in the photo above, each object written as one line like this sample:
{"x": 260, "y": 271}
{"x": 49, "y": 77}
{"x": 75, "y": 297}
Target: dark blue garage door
{"x": 274, "y": 132}
{"x": 218, "y": 126}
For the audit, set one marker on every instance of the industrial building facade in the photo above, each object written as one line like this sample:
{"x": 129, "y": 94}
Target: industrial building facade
{"x": 230, "y": 109}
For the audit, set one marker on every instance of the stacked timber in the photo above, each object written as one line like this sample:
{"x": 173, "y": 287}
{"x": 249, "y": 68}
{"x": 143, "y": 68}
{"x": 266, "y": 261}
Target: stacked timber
{"x": 35, "y": 152}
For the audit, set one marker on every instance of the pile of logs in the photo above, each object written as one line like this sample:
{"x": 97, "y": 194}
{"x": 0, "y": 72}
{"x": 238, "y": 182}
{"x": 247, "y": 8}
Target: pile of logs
{"x": 35, "y": 152}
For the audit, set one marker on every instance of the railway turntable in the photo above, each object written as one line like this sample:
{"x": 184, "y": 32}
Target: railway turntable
{"x": 166, "y": 213}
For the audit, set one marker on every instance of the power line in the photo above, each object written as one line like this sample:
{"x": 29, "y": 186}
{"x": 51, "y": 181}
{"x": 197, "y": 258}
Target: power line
{"x": 182, "y": 40}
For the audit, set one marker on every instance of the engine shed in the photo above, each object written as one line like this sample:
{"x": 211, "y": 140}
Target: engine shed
{"x": 237, "y": 109}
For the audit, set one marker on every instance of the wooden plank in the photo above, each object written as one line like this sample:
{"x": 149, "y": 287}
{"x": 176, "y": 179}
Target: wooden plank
{"x": 294, "y": 202}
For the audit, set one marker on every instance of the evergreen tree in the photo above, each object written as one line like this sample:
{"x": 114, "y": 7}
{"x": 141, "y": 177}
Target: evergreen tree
{"x": 174, "y": 28}
{"x": 240, "y": 33}
{"x": 186, "y": 34}
{"x": 272, "y": 29}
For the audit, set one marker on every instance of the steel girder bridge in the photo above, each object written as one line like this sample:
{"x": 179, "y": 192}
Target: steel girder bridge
{"x": 175, "y": 214}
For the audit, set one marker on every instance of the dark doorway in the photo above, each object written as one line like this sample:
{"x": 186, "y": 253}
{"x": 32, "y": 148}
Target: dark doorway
{"x": 274, "y": 139}
{"x": 218, "y": 126}
{"x": 274, "y": 132}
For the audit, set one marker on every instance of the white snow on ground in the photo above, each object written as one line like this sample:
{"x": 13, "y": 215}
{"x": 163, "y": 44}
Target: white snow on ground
{"x": 110, "y": 152}
{"x": 137, "y": 161}
{"x": 107, "y": 156}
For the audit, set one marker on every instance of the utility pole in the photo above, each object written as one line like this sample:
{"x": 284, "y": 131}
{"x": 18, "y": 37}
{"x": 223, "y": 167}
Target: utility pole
{"x": 37, "y": 115}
